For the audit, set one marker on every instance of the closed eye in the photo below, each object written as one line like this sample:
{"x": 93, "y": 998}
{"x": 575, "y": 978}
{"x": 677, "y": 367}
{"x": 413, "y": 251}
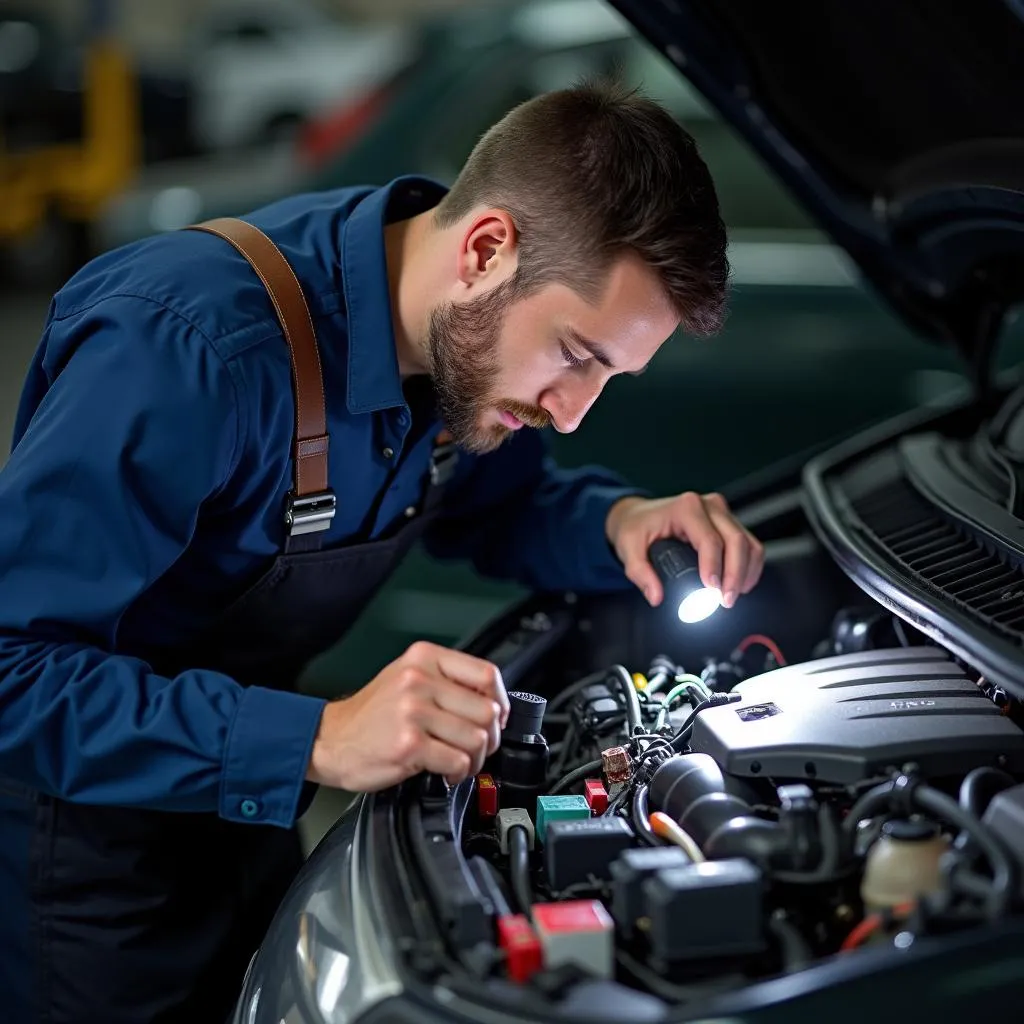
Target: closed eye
{"x": 569, "y": 356}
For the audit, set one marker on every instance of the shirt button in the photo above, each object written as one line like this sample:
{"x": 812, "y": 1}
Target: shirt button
{"x": 410, "y": 512}
{"x": 388, "y": 452}
{"x": 250, "y": 808}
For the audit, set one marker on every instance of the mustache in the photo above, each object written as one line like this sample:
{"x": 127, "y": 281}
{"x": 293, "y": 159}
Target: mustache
{"x": 530, "y": 415}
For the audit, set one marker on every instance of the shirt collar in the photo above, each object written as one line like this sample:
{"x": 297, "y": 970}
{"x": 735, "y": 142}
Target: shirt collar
{"x": 374, "y": 382}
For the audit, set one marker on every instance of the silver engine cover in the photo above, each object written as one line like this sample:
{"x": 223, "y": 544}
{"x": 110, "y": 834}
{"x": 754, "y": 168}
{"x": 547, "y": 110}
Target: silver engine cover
{"x": 847, "y": 718}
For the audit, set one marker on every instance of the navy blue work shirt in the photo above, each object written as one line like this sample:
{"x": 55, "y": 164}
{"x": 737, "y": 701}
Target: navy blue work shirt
{"x": 147, "y": 484}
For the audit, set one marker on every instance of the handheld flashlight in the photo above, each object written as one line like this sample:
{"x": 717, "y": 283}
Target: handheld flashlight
{"x": 676, "y": 566}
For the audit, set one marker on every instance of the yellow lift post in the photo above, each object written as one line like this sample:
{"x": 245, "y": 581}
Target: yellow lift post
{"x": 72, "y": 181}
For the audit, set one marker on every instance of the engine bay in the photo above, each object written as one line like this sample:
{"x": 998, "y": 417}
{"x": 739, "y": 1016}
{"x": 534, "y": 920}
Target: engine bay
{"x": 684, "y": 832}
{"x": 725, "y": 808}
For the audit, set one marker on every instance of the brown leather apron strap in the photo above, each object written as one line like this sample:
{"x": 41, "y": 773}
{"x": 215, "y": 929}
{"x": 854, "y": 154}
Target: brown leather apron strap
{"x": 312, "y": 505}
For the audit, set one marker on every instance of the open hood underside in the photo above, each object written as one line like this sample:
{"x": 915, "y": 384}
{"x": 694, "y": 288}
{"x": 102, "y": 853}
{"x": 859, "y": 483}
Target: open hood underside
{"x": 898, "y": 124}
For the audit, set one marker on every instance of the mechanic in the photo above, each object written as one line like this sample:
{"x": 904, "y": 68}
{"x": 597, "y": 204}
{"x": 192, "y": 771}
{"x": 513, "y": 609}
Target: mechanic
{"x": 164, "y": 571}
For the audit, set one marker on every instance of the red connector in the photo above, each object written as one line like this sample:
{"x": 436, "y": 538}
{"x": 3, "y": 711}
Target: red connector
{"x": 596, "y": 795}
{"x": 521, "y": 946}
{"x": 486, "y": 796}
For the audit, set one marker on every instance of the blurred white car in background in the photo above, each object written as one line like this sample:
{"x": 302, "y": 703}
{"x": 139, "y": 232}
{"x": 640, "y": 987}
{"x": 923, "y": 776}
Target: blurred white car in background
{"x": 261, "y": 67}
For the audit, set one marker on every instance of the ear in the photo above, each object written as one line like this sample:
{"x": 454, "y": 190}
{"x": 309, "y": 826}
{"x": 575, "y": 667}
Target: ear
{"x": 489, "y": 248}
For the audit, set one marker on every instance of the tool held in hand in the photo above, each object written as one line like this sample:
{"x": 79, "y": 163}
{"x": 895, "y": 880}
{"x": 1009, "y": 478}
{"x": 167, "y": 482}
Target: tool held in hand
{"x": 676, "y": 566}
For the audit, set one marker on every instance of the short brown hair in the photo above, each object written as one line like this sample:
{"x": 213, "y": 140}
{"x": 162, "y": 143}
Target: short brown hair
{"x": 590, "y": 172}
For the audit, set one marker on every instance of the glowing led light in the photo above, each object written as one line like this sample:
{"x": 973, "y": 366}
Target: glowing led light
{"x": 699, "y": 604}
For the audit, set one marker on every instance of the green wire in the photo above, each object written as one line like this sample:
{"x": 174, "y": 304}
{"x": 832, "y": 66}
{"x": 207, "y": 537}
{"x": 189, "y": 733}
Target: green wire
{"x": 682, "y": 681}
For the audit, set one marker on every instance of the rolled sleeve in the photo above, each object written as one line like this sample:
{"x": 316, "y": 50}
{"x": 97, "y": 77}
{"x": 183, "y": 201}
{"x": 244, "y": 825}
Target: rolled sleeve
{"x": 268, "y": 752}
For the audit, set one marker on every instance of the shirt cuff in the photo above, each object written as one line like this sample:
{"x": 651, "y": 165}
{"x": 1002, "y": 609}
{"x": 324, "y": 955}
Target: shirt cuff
{"x": 603, "y": 568}
{"x": 267, "y": 756}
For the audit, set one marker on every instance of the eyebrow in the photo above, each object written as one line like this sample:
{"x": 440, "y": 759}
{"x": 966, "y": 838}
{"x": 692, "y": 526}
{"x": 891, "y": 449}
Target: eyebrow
{"x": 598, "y": 351}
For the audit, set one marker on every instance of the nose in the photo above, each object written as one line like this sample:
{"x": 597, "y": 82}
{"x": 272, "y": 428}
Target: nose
{"x": 570, "y": 400}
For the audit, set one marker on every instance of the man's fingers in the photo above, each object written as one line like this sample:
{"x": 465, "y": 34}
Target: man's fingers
{"x": 729, "y": 558}
{"x": 737, "y": 556}
{"x": 638, "y": 569}
{"x": 756, "y": 565}
{"x": 442, "y": 759}
{"x": 458, "y": 733}
{"x": 744, "y": 553}
{"x": 467, "y": 670}
{"x": 693, "y": 522}
{"x": 641, "y": 572}
{"x": 472, "y": 706}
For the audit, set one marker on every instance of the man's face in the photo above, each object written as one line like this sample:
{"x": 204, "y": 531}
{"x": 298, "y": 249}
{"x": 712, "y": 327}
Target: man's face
{"x": 499, "y": 364}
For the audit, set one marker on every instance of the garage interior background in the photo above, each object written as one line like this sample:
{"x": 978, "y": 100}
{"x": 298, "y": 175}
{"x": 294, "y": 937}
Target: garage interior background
{"x": 119, "y": 118}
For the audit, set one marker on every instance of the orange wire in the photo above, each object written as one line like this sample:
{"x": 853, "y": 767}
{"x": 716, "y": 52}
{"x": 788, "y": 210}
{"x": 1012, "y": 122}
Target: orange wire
{"x": 864, "y": 930}
{"x": 666, "y": 828}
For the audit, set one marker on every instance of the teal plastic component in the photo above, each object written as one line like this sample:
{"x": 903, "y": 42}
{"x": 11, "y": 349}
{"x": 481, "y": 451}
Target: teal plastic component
{"x": 559, "y": 808}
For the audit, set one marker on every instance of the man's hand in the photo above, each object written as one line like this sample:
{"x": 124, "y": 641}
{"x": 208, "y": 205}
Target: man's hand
{"x": 433, "y": 709}
{"x": 729, "y": 557}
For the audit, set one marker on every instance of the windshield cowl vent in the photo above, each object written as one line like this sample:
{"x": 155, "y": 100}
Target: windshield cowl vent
{"x": 942, "y": 556}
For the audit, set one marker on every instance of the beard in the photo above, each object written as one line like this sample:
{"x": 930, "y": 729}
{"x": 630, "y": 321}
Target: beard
{"x": 462, "y": 358}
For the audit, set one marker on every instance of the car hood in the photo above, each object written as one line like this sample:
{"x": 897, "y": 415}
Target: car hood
{"x": 899, "y": 126}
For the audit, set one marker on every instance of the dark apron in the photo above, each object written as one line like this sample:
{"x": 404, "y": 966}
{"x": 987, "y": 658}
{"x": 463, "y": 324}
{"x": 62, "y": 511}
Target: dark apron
{"x": 145, "y": 916}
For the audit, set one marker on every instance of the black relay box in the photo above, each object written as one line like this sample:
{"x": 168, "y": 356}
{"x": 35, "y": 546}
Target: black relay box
{"x": 630, "y": 871}
{"x": 577, "y": 849}
{"x": 705, "y": 910}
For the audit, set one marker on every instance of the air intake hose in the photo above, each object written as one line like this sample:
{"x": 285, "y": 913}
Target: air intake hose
{"x": 692, "y": 790}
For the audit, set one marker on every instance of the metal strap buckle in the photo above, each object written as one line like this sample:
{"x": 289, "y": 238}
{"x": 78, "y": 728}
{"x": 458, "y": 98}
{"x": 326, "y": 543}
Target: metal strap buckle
{"x": 310, "y": 513}
{"x": 442, "y": 463}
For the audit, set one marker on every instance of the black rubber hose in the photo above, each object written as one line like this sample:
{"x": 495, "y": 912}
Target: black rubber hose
{"x": 519, "y": 867}
{"x": 945, "y": 807}
{"x": 491, "y": 884}
{"x": 972, "y": 884}
{"x": 691, "y": 789}
{"x": 696, "y": 694}
{"x": 616, "y": 803}
{"x": 878, "y": 800}
{"x": 796, "y": 953}
{"x": 980, "y": 785}
{"x": 565, "y": 752}
{"x": 831, "y": 852}
{"x": 633, "y": 714}
{"x": 680, "y": 739}
{"x": 871, "y": 803}
{"x": 641, "y": 822}
{"x": 576, "y": 775}
{"x": 581, "y": 684}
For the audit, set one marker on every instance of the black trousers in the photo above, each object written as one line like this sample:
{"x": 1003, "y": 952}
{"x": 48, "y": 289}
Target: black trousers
{"x": 115, "y": 916}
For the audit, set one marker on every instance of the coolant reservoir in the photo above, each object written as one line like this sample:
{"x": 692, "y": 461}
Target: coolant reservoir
{"x": 903, "y": 864}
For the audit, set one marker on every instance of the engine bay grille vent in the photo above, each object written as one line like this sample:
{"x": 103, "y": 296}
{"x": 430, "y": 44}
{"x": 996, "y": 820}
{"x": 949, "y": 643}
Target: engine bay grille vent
{"x": 916, "y": 536}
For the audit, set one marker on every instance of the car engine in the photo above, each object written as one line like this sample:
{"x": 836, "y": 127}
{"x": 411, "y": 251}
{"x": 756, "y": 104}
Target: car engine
{"x": 721, "y": 814}
{"x": 685, "y": 830}
{"x": 682, "y": 830}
